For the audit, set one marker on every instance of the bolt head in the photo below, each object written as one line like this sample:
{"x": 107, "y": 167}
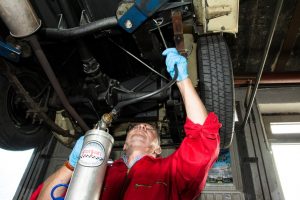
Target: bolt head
{"x": 128, "y": 24}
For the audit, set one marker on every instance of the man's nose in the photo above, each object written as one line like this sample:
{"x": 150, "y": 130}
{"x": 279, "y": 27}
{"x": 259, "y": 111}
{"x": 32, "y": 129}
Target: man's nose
{"x": 142, "y": 127}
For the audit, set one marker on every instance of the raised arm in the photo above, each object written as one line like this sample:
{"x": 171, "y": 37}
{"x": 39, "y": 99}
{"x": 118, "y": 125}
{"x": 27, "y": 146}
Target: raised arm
{"x": 199, "y": 149}
{"x": 195, "y": 109}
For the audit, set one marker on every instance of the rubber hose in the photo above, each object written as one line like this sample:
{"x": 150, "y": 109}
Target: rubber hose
{"x": 81, "y": 31}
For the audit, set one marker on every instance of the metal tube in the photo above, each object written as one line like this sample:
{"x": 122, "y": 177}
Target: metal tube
{"x": 268, "y": 79}
{"x": 83, "y": 30}
{"x": 160, "y": 33}
{"x": 153, "y": 70}
{"x": 19, "y": 17}
{"x": 86, "y": 182}
{"x": 266, "y": 51}
{"x": 53, "y": 80}
{"x": 134, "y": 95}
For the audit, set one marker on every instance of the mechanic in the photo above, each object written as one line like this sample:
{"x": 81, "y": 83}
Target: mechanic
{"x": 140, "y": 173}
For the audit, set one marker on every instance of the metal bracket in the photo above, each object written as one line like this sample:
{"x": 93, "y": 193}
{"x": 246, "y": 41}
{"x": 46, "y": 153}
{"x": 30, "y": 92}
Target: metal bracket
{"x": 62, "y": 24}
{"x": 216, "y": 16}
{"x": 9, "y": 52}
{"x": 84, "y": 18}
{"x": 178, "y": 32}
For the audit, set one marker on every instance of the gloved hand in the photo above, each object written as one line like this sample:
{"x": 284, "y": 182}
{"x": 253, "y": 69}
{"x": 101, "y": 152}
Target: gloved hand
{"x": 75, "y": 154}
{"x": 174, "y": 58}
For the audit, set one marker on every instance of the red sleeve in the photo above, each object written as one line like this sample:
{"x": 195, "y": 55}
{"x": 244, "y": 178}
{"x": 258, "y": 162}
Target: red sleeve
{"x": 36, "y": 193}
{"x": 196, "y": 155}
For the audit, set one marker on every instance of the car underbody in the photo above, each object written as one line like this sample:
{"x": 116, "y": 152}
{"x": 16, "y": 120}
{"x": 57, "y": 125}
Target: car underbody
{"x": 84, "y": 59}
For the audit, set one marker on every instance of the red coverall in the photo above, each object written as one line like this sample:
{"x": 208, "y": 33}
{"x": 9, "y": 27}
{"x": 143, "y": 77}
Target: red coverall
{"x": 181, "y": 175}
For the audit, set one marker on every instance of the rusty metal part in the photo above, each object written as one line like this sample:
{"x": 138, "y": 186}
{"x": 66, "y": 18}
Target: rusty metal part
{"x": 178, "y": 32}
{"x": 53, "y": 80}
{"x": 268, "y": 79}
{"x": 29, "y": 102}
{"x": 217, "y": 11}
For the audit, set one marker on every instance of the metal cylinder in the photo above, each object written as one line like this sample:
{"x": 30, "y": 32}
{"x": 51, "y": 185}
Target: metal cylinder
{"x": 19, "y": 17}
{"x": 86, "y": 182}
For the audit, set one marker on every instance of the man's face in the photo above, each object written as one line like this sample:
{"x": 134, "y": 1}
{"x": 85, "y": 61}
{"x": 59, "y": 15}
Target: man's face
{"x": 141, "y": 136}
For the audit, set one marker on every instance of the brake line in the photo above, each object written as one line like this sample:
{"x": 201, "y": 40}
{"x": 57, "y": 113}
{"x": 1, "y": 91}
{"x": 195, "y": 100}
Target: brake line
{"x": 132, "y": 55}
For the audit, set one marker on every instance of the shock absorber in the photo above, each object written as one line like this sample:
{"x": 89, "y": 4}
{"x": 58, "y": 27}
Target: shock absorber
{"x": 86, "y": 182}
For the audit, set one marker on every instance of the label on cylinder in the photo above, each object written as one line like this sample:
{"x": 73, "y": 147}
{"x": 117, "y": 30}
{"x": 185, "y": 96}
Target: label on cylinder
{"x": 92, "y": 154}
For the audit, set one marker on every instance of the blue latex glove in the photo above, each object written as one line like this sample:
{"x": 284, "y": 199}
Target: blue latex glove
{"x": 174, "y": 58}
{"x": 75, "y": 154}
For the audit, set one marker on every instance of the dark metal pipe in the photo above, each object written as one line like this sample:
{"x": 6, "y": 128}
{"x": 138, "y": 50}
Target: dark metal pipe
{"x": 134, "y": 95}
{"x": 80, "y": 31}
{"x": 266, "y": 51}
{"x": 53, "y": 80}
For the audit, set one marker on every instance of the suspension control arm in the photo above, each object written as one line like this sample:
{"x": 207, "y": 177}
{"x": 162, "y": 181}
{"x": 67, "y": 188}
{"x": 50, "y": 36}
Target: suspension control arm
{"x": 29, "y": 102}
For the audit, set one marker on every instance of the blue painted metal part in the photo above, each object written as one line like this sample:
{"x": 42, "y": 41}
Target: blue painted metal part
{"x": 9, "y": 52}
{"x": 139, "y": 12}
{"x": 136, "y": 19}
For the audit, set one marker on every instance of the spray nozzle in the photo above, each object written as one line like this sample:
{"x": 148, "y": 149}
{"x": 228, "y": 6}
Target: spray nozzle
{"x": 105, "y": 121}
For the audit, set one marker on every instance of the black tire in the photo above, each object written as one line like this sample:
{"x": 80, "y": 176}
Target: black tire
{"x": 17, "y": 132}
{"x": 216, "y": 87}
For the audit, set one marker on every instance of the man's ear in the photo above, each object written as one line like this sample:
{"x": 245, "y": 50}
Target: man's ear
{"x": 125, "y": 147}
{"x": 157, "y": 150}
